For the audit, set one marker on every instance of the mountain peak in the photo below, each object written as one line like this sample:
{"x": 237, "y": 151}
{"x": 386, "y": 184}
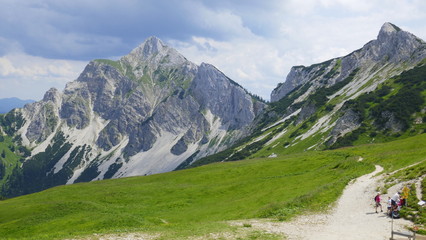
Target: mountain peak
{"x": 51, "y": 95}
{"x": 389, "y": 28}
{"x": 153, "y": 45}
{"x": 154, "y": 52}
{"x": 149, "y": 48}
{"x": 397, "y": 45}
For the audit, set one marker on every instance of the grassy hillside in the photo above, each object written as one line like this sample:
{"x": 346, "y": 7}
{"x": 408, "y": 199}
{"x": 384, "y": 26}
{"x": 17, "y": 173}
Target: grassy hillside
{"x": 394, "y": 110}
{"x": 8, "y": 158}
{"x": 195, "y": 202}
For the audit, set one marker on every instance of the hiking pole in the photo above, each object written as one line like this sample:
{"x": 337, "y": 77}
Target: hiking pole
{"x": 392, "y": 224}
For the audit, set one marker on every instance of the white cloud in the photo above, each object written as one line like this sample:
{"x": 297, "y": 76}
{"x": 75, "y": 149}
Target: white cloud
{"x": 300, "y": 33}
{"x": 6, "y": 67}
{"x": 253, "y": 42}
{"x": 29, "y": 77}
{"x": 252, "y": 62}
{"x": 224, "y": 21}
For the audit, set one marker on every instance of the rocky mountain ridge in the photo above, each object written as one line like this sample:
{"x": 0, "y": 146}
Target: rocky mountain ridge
{"x": 345, "y": 79}
{"x": 392, "y": 47}
{"x": 374, "y": 94}
{"x": 146, "y": 113}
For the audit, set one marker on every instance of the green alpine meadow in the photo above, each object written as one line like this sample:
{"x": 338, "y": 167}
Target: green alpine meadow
{"x": 200, "y": 201}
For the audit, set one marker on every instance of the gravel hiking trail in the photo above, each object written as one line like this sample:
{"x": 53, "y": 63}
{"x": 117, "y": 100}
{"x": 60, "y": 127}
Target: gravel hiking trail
{"x": 353, "y": 216}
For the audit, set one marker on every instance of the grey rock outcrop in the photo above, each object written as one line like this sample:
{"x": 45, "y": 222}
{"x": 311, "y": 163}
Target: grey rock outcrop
{"x": 180, "y": 147}
{"x": 395, "y": 45}
{"x": 391, "y": 123}
{"x": 44, "y": 122}
{"x": 223, "y": 97}
{"x": 349, "y": 122}
{"x": 306, "y": 112}
{"x": 295, "y": 78}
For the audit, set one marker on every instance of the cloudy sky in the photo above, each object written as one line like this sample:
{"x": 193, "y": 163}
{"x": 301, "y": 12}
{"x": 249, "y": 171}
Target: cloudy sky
{"x": 47, "y": 43}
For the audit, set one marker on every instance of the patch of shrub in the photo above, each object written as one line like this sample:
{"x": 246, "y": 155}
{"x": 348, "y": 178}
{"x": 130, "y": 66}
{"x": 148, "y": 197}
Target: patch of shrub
{"x": 35, "y": 174}
{"x": 2, "y": 169}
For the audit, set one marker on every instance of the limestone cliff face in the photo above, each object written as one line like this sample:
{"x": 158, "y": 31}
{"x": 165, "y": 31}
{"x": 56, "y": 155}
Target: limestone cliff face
{"x": 223, "y": 97}
{"x": 349, "y": 122}
{"x": 44, "y": 122}
{"x": 145, "y": 113}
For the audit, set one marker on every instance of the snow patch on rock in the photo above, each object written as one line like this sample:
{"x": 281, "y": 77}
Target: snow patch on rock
{"x": 158, "y": 159}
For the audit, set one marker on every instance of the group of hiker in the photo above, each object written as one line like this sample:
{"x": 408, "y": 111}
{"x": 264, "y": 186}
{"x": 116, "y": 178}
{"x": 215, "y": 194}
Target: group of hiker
{"x": 394, "y": 203}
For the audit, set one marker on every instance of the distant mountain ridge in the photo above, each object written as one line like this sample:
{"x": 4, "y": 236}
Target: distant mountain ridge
{"x": 7, "y": 104}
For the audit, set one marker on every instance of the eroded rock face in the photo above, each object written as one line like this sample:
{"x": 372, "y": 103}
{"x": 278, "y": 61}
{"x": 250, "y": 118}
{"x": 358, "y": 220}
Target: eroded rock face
{"x": 345, "y": 124}
{"x": 223, "y": 97}
{"x": 396, "y": 45}
{"x": 45, "y": 121}
{"x": 391, "y": 122}
{"x": 180, "y": 147}
{"x": 297, "y": 76}
{"x": 306, "y": 112}
{"x": 43, "y": 124}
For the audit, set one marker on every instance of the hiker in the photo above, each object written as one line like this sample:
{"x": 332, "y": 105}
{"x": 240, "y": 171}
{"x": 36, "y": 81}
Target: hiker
{"x": 395, "y": 201}
{"x": 389, "y": 205}
{"x": 402, "y": 202}
{"x": 377, "y": 200}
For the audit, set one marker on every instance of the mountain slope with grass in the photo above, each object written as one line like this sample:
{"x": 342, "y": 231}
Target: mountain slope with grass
{"x": 197, "y": 202}
{"x": 375, "y": 94}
